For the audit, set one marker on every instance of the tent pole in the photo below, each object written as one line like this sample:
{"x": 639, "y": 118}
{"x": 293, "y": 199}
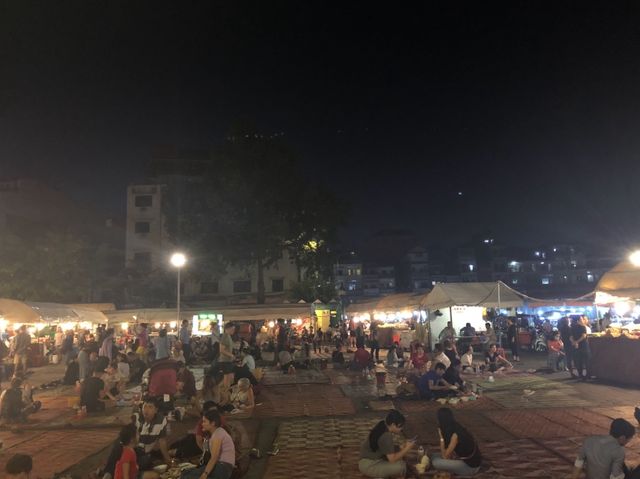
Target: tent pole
{"x": 499, "y": 305}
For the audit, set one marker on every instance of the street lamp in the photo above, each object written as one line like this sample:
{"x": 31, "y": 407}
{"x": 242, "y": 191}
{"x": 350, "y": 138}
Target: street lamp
{"x": 178, "y": 260}
{"x": 635, "y": 258}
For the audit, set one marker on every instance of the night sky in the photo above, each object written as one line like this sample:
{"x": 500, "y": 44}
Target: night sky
{"x": 531, "y": 110}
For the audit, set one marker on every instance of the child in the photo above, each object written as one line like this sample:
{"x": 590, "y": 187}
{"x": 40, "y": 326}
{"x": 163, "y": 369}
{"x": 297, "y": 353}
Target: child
{"x": 556, "y": 353}
{"x": 127, "y": 465}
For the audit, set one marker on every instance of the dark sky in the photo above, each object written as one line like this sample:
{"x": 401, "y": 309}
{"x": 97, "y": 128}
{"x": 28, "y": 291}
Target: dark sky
{"x": 531, "y": 110}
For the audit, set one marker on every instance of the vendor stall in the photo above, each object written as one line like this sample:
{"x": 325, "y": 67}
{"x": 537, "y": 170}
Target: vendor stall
{"x": 395, "y": 317}
{"x": 463, "y": 303}
{"x": 615, "y": 352}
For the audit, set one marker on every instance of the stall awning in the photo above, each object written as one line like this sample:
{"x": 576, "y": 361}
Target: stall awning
{"x": 34, "y": 312}
{"x": 621, "y": 282}
{"x": 488, "y": 295}
{"x": 265, "y": 312}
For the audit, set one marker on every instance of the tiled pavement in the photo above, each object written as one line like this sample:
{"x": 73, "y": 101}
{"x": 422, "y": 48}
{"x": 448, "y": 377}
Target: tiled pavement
{"x": 520, "y": 436}
{"x": 321, "y": 424}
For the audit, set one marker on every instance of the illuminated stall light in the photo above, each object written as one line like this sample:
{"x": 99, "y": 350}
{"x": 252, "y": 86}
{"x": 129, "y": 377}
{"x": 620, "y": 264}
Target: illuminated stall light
{"x": 622, "y": 308}
{"x": 31, "y": 330}
{"x": 423, "y": 314}
{"x": 157, "y": 325}
{"x": 67, "y": 326}
{"x": 406, "y": 315}
{"x": 173, "y": 324}
{"x": 3, "y": 324}
{"x": 40, "y": 326}
{"x": 17, "y": 326}
{"x": 391, "y": 317}
{"x": 124, "y": 326}
{"x": 271, "y": 324}
{"x": 86, "y": 325}
{"x": 379, "y": 316}
{"x": 195, "y": 324}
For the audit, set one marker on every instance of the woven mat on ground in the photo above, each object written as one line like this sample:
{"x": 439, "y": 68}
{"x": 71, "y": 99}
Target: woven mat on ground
{"x": 324, "y": 463}
{"x": 412, "y": 405}
{"x": 625, "y": 412}
{"x": 523, "y": 458}
{"x": 529, "y": 424}
{"x": 55, "y": 451}
{"x": 368, "y": 389}
{"x": 341, "y": 376}
{"x": 584, "y": 422}
{"x": 384, "y": 406}
{"x": 274, "y": 377}
{"x": 541, "y": 398}
{"x": 303, "y": 400}
{"x": 302, "y": 434}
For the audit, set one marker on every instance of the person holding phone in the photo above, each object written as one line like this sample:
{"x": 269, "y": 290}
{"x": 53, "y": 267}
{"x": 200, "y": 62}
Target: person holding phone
{"x": 378, "y": 455}
{"x": 459, "y": 452}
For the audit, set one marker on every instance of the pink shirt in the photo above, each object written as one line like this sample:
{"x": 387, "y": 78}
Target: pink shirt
{"x": 227, "y": 448}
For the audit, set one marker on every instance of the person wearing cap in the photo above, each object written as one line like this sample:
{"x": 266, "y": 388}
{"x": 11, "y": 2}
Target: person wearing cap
{"x": 19, "y": 466}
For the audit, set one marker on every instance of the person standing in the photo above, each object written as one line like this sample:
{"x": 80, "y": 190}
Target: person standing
{"x": 185, "y": 338}
{"x": 226, "y": 358}
{"x": 22, "y": 347}
{"x": 67, "y": 347}
{"x": 375, "y": 346}
{"x": 59, "y": 338}
{"x": 580, "y": 343}
{"x": 162, "y": 345}
{"x": 603, "y": 456}
{"x": 447, "y": 333}
{"x": 143, "y": 341}
{"x": 565, "y": 335}
{"x": 512, "y": 339}
{"x": 106, "y": 347}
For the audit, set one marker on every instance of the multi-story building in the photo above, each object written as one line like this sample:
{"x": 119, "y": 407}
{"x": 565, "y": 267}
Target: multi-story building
{"x": 417, "y": 267}
{"x": 559, "y": 270}
{"x": 348, "y": 275}
{"x": 378, "y": 280}
{"x": 148, "y": 245}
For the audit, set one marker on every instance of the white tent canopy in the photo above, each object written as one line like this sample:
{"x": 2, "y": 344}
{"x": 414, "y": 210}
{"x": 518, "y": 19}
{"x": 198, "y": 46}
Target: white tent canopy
{"x": 488, "y": 295}
{"x": 33, "y": 312}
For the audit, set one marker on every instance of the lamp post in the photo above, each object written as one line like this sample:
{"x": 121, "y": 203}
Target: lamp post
{"x": 178, "y": 260}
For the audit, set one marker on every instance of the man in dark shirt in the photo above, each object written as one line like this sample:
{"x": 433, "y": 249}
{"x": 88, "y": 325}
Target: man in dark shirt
{"x": 431, "y": 385}
{"x": 13, "y": 408}
{"x": 452, "y": 375}
{"x": 580, "y": 344}
{"x": 93, "y": 389}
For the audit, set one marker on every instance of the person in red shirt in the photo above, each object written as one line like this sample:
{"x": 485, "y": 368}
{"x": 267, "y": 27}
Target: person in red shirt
{"x": 555, "y": 347}
{"x": 361, "y": 358}
{"x": 127, "y": 465}
{"x": 419, "y": 358}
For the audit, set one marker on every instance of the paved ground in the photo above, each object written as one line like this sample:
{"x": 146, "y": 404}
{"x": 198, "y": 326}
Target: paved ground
{"x": 319, "y": 418}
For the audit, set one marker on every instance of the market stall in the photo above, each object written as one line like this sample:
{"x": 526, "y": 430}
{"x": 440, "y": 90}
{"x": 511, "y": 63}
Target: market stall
{"x": 463, "y": 303}
{"x": 395, "y": 317}
{"x": 615, "y": 352}
{"x": 42, "y": 319}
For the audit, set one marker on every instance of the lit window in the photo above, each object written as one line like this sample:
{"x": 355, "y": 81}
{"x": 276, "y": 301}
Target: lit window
{"x": 471, "y": 267}
{"x": 514, "y": 281}
{"x": 546, "y": 281}
{"x": 590, "y": 278}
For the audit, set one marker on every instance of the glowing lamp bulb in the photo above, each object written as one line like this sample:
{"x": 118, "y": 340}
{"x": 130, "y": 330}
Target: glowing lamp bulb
{"x": 635, "y": 258}
{"x": 178, "y": 260}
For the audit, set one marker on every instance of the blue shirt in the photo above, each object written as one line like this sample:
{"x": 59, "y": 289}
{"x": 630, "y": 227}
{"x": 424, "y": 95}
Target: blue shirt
{"x": 423, "y": 382}
{"x": 162, "y": 347}
{"x": 185, "y": 335}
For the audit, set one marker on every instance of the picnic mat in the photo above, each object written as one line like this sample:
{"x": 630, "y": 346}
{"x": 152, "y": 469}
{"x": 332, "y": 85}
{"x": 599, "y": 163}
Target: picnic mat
{"x": 272, "y": 377}
{"x": 529, "y": 424}
{"x": 413, "y": 405}
{"x": 56, "y": 451}
{"x": 522, "y": 458}
{"x": 303, "y": 400}
{"x": 320, "y": 449}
